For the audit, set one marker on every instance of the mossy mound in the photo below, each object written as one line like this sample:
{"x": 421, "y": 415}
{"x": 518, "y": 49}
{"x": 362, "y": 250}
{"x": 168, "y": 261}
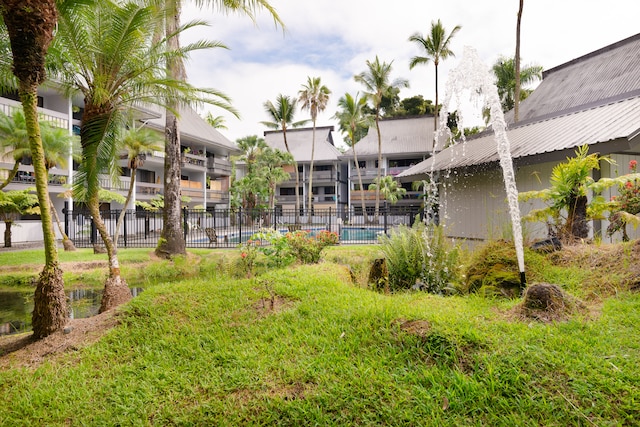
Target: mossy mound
{"x": 547, "y": 302}
{"x": 493, "y": 270}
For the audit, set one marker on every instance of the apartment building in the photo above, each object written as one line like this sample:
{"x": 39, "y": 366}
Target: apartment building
{"x": 206, "y": 164}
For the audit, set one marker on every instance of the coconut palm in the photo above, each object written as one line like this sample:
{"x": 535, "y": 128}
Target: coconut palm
{"x": 354, "y": 123}
{"x": 389, "y": 188}
{"x": 435, "y": 47}
{"x": 377, "y": 83}
{"x": 282, "y": 113}
{"x": 172, "y": 239}
{"x": 121, "y": 65}
{"x": 314, "y": 97}
{"x": 505, "y": 72}
{"x": 216, "y": 121}
{"x": 14, "y": 141}
{"x": 137, "y": 142}
{"x": 30, "y": 25}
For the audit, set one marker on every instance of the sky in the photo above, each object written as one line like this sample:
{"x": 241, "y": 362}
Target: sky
{"x": 333, "y": 39}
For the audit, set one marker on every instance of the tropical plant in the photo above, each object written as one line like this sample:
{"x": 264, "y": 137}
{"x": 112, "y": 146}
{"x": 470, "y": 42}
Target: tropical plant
{"x": 505, "y": 72}
{"x": 377, "y": 83}
{"x": 282, "y": 113}
{"x": 13, "y": 204}
{"x": 436, "y": 47}
{"x": 389, "y": 189}
{"x": 626, "y": 205}
{"x": 420, "y": 257}
{"x": 568, "y": 208}
{"x": 314, "y": 97}
{"x": 137, "y": 142}
{"x": 270, "y": 166}
{"x": 14, "y": 141}
{"x": 121, "y": 65}
{"x": 251, "y": 186}
{"x": 30, "y": 25}
{"x": 354, "y": 123}
{"x": 172, "y": 242}
{"x": 216, "y": 122}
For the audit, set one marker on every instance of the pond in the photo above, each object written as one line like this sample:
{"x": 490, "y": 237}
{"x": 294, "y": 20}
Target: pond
{"x": 16, "y": 307}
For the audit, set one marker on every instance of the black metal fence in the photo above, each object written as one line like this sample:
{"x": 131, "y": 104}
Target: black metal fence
{"x": 225, "y": 228}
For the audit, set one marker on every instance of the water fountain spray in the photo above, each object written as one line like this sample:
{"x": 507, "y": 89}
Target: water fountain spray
{"x": 474, "y": 76}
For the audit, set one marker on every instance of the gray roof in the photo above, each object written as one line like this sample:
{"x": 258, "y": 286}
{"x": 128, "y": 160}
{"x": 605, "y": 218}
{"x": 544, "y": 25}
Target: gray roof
{"x": 612, "y": 128}
{"x": 402, "y": 135}
{"x": 299, "y": 141}
{"x": 592, "y": 100}
{"x": 195, "y": 129}
{"x": 605, "y": 74}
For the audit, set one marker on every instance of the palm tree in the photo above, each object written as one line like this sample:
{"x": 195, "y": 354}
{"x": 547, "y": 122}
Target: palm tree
{"x": 252, "y": 146}
{"x": 505, "y": 72}
{"x": 270, "y": 164}
{"x": 14, "y": 141}
{"x": 282, "y": 114}
{"x": 435, "y": 47}
{"x": 314, "y": 97}
{"x": 172, "y": 238}
{"x": 216, "y": 122}
{"x": 389, "y": 188}
{"x": 354, "y": 122}
{"x": 121, "y": 65}
{"x": 12, "y": 205}
{"x": 138, "y": 142}
{"x": 30, "y": 25}
{"x": 376, "y": 81}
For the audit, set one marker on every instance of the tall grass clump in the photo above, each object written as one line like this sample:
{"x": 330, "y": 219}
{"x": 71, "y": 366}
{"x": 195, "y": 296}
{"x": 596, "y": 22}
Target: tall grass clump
{"x": 420, "y": 255}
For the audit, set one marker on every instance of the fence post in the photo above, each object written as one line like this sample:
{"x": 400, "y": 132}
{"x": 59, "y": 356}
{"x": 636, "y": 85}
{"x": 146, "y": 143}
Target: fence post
{"x": 185, "y": 224}
{"x": 65, "y": 211}
{"x": 386, "y": 212}
{"x": 124, "y": 229}
{"x": 240, "y": 225}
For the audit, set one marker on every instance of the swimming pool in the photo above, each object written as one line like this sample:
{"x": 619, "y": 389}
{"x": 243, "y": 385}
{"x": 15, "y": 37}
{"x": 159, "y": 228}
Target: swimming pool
{"x": 356, "y": 234}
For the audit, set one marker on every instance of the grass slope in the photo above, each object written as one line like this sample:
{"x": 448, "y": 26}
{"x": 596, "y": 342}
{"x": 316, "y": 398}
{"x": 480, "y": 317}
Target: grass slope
{"x": 212, "y": 351}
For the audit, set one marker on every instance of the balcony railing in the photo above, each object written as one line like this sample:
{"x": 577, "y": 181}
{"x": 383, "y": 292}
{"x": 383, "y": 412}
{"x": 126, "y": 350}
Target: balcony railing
{"x": 193, "y": 160}
{"x": 366, "y": 173}
{"x": 218, "y": 167}
{"x": 217, "y": 196}
{"x": 55, "y": 118}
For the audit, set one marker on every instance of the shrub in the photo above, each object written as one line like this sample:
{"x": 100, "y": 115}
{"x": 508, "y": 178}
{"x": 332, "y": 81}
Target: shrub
{"x": 307, "y": 248}
{"x": 420, "y": 254}
{"x": 273, "y": 245}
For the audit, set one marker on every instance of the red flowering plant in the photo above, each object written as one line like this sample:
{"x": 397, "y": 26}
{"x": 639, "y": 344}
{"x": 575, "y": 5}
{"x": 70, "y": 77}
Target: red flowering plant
{"x": 307, "y": 247}
{"x": 626, "y": 205}
{"x": 248, "y": 253}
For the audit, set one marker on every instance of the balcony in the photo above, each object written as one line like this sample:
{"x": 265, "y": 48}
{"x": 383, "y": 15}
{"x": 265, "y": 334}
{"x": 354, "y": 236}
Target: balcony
{"x": 193, "y": 161}
{"x": 366, "y": 173}
{"x": 52, "y": 117}
{"x": 148, "y": 189}
{"x": 217, "y": 196}
{"x": 218, "y": 167}
{"x": 192, "y": 189}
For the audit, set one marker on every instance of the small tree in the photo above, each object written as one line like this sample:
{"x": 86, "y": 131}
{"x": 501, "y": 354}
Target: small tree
{"x": 390, "y": 190}
{"x": 569, "y": 209}
{"x": 12, "y": 205}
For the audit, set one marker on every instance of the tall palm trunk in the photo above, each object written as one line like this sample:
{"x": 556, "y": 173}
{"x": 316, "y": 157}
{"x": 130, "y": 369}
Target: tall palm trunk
{"x": 30, "y": 24}
{"x": 435, "y": 116}
{"x": 123, "y": 213}
{"x": 116, "y": 290}
{"x": 12, "y": 174}
{"x": 172, "y": 238}
{"x": 379, "y": 175}
{"x": 516, "y": 92}
{"x": 364, "y": 206}
{"x": 67, "y": 244}
{"x": 313, "y": 149}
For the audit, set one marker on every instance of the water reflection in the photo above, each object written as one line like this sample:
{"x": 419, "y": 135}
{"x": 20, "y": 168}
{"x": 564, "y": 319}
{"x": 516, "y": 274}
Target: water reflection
{"x": 16, "y": 307}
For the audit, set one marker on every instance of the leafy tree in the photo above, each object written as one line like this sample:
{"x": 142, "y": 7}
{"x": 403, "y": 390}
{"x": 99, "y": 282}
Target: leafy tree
{"x": 376, "y": 80}
{"x": 354, "y": 123}
{"x": 505, "y": 71}
{"x": 12, "y": 205}
{"x": 270, "y": 166}
{"x": 282, "y": 113}
{"x": 172, "y": 239}
{"x": 389, "y": 188}
{"x": 137, "y": 142}
{"x": 30, "y": 25}
{"x": 121, "y": 67}
{"x": 314, "y": 97}
{"x": 250, "y": 186}
{"x": 435, "y": 47}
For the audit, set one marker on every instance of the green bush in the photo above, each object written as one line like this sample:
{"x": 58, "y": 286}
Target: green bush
{"x": 420, "y": 254}
{"x": 306, "y": 248}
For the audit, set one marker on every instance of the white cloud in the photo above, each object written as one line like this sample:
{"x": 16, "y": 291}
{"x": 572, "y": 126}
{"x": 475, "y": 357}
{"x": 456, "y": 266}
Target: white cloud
{"x": 333, "y": 39}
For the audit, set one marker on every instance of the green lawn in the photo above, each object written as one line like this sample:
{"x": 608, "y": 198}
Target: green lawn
{"x": 209, "y": 350}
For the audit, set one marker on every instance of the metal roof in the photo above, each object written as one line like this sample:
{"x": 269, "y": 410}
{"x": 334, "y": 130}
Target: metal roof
{"x": 532, "y": 142}
{"x": 194, "y": 128}
{"x": 299, "y": 141}
{"x": 402, "y": 135}
{"x": 605, "y": 74}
